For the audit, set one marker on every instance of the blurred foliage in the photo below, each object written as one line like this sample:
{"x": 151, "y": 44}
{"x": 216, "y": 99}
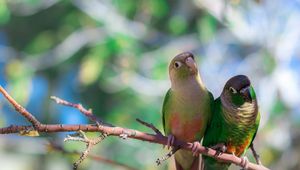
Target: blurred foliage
{"x": 112, "y": 56}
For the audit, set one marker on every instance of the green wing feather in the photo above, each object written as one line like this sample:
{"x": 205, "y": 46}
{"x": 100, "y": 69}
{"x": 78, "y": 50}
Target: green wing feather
{"x": 166, "y": 99}
{"x": 212, "y": 105}
{"x": 216, "y": 126}
{"x": 257, "y": 117}
{"x": 256, "y": 124}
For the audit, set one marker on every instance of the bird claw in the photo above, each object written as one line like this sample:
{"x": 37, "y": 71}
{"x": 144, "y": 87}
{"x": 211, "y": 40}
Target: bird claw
{"x": 220, "y": 148}
{"x": 195, "y": 148}
{"x": 170, "y": 141}
{"x": 244, "y": 162}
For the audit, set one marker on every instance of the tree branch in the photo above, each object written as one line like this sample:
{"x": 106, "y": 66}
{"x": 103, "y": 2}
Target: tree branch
{"x": 20, "y": 109}
{"x": 116, "y": 131}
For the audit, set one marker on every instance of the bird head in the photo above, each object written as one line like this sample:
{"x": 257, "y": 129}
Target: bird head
{"x": 238, "y": 90}
{"x": 182, "y": 67}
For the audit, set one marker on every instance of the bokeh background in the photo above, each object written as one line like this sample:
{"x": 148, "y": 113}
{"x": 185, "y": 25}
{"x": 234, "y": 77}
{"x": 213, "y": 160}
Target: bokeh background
{"x": 112, "y": 56}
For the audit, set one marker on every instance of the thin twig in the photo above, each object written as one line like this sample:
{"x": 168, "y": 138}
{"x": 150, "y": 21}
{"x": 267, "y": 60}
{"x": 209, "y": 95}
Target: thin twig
{"x": 80, "y": 135}
{"x": 90, "y": 143}
{"x": 83, "y": 155}
{"x": 256, "y": 156}
{"x": 88, "y": 113}
{"x": 54, "y": 146}
{"x": 159, "y": 161}
{"x": 151, "y": 126}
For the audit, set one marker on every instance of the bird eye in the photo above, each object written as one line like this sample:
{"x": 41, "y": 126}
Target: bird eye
{"x": 232, "y": 90}
{"x": 177, "y": 64}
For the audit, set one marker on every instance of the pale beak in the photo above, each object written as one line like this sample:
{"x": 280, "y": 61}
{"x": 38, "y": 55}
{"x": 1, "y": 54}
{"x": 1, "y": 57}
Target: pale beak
{"x": 191, "y": 64}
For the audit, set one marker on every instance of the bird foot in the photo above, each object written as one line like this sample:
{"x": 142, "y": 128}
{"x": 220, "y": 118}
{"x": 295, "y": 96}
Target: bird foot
{"x": 195, "y": 148}
{"x": 244, "y": 163}
{"x": 220, "y": 148}
{"x": 170, "y": 142}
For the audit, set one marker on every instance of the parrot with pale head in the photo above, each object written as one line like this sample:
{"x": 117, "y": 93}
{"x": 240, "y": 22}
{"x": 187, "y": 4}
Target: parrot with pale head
{"x": 186, "y": 109}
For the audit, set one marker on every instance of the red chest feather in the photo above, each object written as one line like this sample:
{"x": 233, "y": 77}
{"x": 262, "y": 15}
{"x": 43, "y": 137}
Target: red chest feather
{"x": 185, "y": 129}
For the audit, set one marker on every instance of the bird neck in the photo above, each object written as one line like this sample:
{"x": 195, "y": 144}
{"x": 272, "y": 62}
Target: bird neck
{"x": 191, "y": 86}
{"x": 247, "y": 112}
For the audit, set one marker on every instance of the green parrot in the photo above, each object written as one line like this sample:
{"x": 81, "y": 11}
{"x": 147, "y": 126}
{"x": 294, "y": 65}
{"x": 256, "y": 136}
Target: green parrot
{"x": 234, "y": 122}
{"x": 186, "y": 108}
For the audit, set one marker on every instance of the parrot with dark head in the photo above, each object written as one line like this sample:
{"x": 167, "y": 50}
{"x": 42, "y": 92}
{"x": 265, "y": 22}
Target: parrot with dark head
{"x": 186, "y": 109}
{"x": 234, "y": 122}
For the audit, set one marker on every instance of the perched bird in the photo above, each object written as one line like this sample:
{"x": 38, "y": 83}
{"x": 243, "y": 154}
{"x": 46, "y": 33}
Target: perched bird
{"x": 234, "y": 122}
{"x": 186, "y": 109}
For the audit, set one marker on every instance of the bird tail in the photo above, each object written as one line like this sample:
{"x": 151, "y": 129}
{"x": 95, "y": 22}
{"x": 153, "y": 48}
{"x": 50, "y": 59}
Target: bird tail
{"x": 209, "y": 163}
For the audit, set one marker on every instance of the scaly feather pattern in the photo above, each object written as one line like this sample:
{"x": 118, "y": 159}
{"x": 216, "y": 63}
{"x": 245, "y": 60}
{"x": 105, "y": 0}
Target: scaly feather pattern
{"x": 234, "y": 122}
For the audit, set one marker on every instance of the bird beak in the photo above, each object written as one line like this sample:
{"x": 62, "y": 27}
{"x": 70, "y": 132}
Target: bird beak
{"x": 246, "y": 93}
{"x": 190, "y": 62}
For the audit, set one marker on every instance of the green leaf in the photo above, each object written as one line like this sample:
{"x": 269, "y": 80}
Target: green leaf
{"x": 19, "y": 80}
{"x": 207, "y": 27}
{"x": 177, "y": 24}
{"x": 41, "y": 43}
{"x": 158, "y": 8}
{"x": 91, "y": 66}
{"x": 4, "y": 13}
